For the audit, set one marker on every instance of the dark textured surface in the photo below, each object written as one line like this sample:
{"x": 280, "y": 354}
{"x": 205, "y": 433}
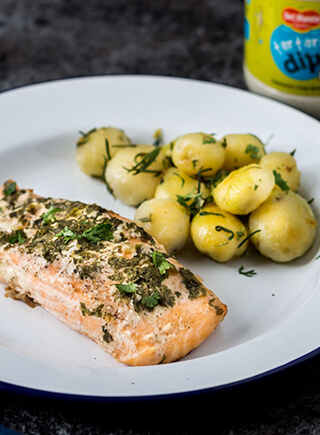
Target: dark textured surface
{"x": 49, "y": 39}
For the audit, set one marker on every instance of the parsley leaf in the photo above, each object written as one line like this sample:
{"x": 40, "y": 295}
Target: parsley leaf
{"x": 67, "y": 233}
{"x": 94, "y": 234}
{"x": 208, "y": 139}
{"x": 280, "y": 181}
{"x": 49, "y": 216}
{"x": 127, "y": 288}
{"x": 162, "y": 264}
{"x": 98, "y": 233}
{"x": 151, "y": 301}
{"x": 253, "y": 151}
{"x": 10, "y": 188}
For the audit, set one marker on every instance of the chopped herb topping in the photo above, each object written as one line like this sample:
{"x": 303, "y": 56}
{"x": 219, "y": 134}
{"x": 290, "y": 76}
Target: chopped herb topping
{"x": 151, "y": 301}
{"x": 9, "y": 188}
{"x": 254, "y": 152}
{"x": 85, "y": 137}
{"x": 192, "y": 284}
{"x": 95, "y": 234}
{"x": 158, "y": 137}
{"x": 227, "y": 230}
{"x": 280, "y": 181}
{"x": 145, "y": 162}
{"x": 49, "y": 216}
{"x": 248, "y": 273}
{"x": 192, "y": 206}
{"x": 127, "y": 288}
{"x": 207, "y": 213}
{"x": 107, "y": 337}
{"x": 162, "y": 264}
{"x": 247, "y": 238}
{"x": 91, "y": 312}
{"x": 146, "y": 219}
{"x": 181, "y": 178}
{"x": 208, "y": 139}
{"x": 17, "y": 236}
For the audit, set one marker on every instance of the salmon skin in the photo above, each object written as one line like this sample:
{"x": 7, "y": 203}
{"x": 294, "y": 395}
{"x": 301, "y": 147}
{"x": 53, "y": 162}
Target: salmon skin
{"x": 103, "y": 276}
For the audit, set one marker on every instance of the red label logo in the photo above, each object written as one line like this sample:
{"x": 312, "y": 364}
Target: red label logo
{"x": 301, "y": 20}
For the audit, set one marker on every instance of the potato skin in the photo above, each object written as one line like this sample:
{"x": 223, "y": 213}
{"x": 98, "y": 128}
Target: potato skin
{"x": 218, "y": 233}
{"x": 129, "y": 188}
{"x": 198, "y": 152}
{"x": 91, "y": 148}
{"x": 241, "y": 150}
{"x": 285, "y": 164}
{"x": 286, "y": 226}
{"x": 244, "y": 189}
{"x": 166, "y": 220}
{"x": 176, "y": 182}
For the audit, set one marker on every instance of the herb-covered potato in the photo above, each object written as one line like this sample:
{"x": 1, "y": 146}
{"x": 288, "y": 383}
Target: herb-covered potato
{"x": 133, "y": 174}
{"x": 166, "y": 220}
{"x": 176, "y": 182}
{"x": 97, "y": 145}
{"x": 283, "y": 227}
{"x": 218, "y": 234}
{"x": 241, "y": 150}
{"x": 284, "y": 166}
{"x": 244, "y": 189}
{"x": 196, "y": 153}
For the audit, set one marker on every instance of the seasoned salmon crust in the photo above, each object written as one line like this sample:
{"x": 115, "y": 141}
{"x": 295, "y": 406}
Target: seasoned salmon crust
{"x": 103, "y": 276}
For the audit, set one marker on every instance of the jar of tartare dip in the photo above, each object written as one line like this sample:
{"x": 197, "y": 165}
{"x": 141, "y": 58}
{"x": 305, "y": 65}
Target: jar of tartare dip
{"x": 282, "y": 51}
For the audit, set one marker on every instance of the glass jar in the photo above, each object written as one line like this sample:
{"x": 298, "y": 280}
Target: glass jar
{"x": 282, "y": 51}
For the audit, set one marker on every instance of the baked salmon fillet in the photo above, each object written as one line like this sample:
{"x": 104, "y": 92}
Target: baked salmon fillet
{"x": 103, "y": 276}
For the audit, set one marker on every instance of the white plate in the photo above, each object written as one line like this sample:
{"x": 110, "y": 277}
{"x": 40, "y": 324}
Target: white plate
{"x": 273, "y": 317}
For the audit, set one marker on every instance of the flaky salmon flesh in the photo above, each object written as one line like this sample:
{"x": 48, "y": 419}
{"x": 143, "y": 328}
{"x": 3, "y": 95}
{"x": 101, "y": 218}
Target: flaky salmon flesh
{"x": 103, "y": 276}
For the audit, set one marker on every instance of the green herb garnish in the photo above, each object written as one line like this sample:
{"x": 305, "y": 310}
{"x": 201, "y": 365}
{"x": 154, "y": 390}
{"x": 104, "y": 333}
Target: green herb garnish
{"x": 98, "y": 233}
{"x": 254, "y": 151}
{"x": 146, "y": 219}
{"x": 280, "y": 181}
{"x": 17, "y": 236}
{"x": 145, "y": 162}
{"x": 227, "y": 230}
{"x": 247, "y": 238}
{"x": 207, "y": 213}
{"x": 248, "y": 273}
{"x": 10, "y": 188}
{"x": 127, "y": 288}
{"x": 209, "y": 139}
{"x": 193, "y": 206}
{"x": 49, "y": 216}
{"x": 181, "y": 178}
{"x": 95, "y": 234}
{"x": 162, "y": 264}
{"x": 151, "y": 301}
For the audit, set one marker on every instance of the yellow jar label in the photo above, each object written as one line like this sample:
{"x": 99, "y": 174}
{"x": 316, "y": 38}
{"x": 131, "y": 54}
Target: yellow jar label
{"x": 282, "y": 44}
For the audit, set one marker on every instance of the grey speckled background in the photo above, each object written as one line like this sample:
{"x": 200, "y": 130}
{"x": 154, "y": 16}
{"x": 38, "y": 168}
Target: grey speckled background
{"x": 49, "y": 39}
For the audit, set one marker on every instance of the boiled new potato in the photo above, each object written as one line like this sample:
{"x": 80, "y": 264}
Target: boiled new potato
{"x": 241, "y": 150}
{"x": 176, "y": 182}
{"x": 244, "y": 189}
{"x": 166, "y": 220}
{"x": 126, "y": 177}
{"x": 285, "y": 165}
{"x": 196, "y": 153}
{"x": 92, "y": 150}
{"x": 284, "y": 226}
{"x": 218, "y": 233}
